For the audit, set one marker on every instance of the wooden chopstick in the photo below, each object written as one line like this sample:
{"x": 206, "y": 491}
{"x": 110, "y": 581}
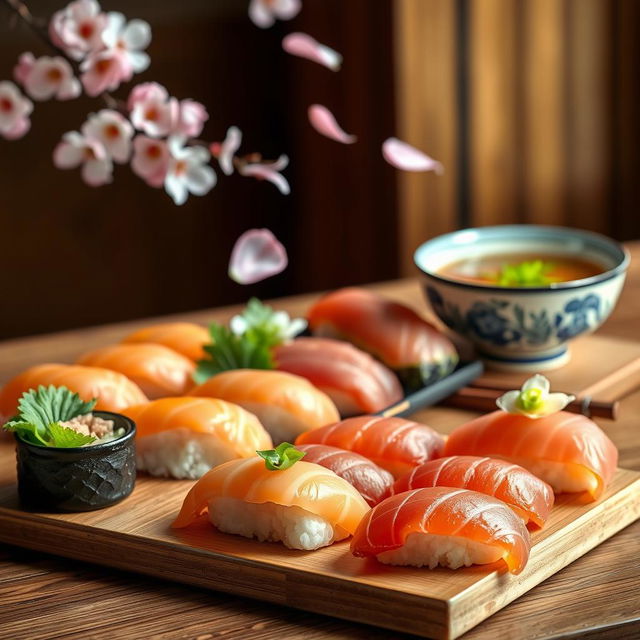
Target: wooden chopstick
{"x": 482, "y": 399}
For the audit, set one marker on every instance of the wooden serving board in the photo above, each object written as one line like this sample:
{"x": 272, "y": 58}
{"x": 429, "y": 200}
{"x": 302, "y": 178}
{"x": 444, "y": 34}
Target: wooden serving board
{"x": 135, "y": 535}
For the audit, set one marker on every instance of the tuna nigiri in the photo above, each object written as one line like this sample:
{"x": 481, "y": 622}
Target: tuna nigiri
{"x": 305, "y": 506}
{"x": 184, "y": 337}
{"x": 528, "y": 496}
{"x": 113, "y": 390}
{"x": 156, "y": 369}
{"x": 443, "y": 526}
{"x": 394, "y": 444}
{"x": 285, "y": 404}
{"x": 372, "y": 482}
{"x": 185, "y": 437}
{"x": 392, "y": 332}
{"x": 350, "y": 377}
{"x": 566, "y": 450}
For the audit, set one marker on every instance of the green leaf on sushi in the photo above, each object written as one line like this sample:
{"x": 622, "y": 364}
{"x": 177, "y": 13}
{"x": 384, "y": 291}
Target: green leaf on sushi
{"x": 230, "y": 351}
{"x": 40, "y": 412}
{"x": 285, "y": 455}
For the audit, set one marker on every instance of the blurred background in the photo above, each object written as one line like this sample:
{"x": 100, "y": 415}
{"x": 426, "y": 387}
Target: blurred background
{"x": 531, "y": 105}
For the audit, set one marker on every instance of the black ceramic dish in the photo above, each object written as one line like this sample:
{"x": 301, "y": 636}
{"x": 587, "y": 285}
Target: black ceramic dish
{"x": 78, "y": 478}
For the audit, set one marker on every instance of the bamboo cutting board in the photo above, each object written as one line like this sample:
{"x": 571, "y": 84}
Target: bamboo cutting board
{"x": 135, "y": 535}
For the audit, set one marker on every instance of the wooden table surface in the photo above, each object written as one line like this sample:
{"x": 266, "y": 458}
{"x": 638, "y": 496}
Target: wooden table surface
{"x": 42, "y": 596}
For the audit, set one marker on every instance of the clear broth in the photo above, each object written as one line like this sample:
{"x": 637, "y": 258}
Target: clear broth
{"x": 487, "y": 269}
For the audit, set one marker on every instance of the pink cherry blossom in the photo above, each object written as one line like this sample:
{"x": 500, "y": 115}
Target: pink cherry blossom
{"x": 257, "y": 254}
{"x": 324, "y": 122}
{"x": 130, "y": 38}
{"x": 76, "y": 149}
{"x": 403, "y": 156}
{"x": 14, "y": 111}
{"x": 77, "y": 29}
{"x": 269, "y": 171}
{"x": 188, "y": 171}
{"x": 191, "y": 118}
{"x": 263, "y": 13}
{"x": 304, "y": 46}
{"x": 114, "y": 132}
{"x": 152, "y": 110}
{"x": 104, "y": 71}
{"x": 150, "y": 160}
{"x": 47, "y": 78}
{"x": 226, "y": 150}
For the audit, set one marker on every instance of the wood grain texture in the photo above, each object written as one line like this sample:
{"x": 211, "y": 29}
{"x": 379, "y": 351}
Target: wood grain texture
{"x": 426, "y": 108}
{"x": 443, "y": 604}
{"x": 597, "y": 596}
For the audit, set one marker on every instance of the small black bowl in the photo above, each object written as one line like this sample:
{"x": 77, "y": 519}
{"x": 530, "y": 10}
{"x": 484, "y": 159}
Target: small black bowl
{"x": 78, "y": 478}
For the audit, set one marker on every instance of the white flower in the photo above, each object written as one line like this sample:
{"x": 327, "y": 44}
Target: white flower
{"x": 78, "y": 28}
{"x": 534, "y": 399}
{"x": 47, "y": 78}
{"x": 152, "y": 109}
{"x": 14, "y": 111}
{"x": 188, "y": 171}
{"x": 287, "y": 328}
{"x": 263, "y": 13}
{"x": 114, "y": 132}
{"x": 130, "y": 38}
{"x": 76, "y": 149}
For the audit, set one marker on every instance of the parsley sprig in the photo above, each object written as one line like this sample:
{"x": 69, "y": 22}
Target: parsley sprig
{"x": 531, "y": 273}
{"x": 40, "y": 413}
{"x": 285, "y": 455}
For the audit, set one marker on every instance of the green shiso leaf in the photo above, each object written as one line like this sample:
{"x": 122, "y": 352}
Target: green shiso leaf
{"x": 40, "y": 411}
{"x": 285, "y": 455}
{"x": 230, "y": 351}
{"x": 531, "y": 273}
{"x": 67, "y": 437}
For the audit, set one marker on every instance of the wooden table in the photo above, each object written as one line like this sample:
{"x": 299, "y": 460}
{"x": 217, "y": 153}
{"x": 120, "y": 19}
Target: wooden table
{"x": 41, "y": 596}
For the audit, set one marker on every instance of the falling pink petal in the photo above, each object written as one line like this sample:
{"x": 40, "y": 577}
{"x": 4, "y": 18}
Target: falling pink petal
{"x": 304, "y": 46}
{"x": 324, "y": 122}
{"x": 403, "y": 156}
{"x": 256, "y": 255}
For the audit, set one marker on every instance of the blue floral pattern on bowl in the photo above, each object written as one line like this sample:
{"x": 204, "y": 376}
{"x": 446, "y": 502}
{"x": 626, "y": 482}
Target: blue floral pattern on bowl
{"x": 501, "y": 322}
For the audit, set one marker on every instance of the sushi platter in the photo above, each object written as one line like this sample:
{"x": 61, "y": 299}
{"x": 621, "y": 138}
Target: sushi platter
{"x": 386, "y": 521}
{"x": 135, "y": 535}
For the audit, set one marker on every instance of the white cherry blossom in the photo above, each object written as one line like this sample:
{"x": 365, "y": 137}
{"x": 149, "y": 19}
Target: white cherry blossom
{"x": 188, "y": 171}
{"x": 77, "y": 150}
{"x": 534, "y": 400}
{"x": 113, "y": 130}
{"x": 130, "y": 38}
{"x": 45, "y": 78}
{"x": 14, "y": 111}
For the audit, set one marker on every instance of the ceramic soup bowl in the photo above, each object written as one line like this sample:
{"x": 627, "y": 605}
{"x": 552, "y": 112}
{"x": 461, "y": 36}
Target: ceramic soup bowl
{"x": 522, "y": 328}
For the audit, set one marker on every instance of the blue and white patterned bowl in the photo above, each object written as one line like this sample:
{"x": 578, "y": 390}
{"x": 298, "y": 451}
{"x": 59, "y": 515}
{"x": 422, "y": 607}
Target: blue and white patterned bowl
{"x": 525, "y": 329}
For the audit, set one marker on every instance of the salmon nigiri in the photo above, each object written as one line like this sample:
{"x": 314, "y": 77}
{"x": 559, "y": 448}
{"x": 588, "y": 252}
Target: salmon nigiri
{"x": 528, "y": 496}
{"x": 156, "y": 369}
{"x": 395, "y": 444}
{"x": 372, "y": 482}
{"x": 305, "y": 506}
{"x": 285, "y": 404}
{"x": 350, "y": 377}
{"x": 113, "y": 390}
{"x": 443, "y": 526}
{"x": 392, "y": 332}
{"x": 567, "y": 450}
{"x": 184, "y": 337}
{"x": 185, "y": 437}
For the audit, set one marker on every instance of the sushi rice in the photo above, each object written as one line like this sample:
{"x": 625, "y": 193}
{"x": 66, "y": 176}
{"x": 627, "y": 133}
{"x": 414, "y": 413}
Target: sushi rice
{"x": 431, "y": 550}
{"x": 181, "y": 453}
{"x": 295, "y": 527}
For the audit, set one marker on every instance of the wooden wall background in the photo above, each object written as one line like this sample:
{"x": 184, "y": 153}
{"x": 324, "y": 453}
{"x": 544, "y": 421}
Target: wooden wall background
{"x": 531, "y": 105}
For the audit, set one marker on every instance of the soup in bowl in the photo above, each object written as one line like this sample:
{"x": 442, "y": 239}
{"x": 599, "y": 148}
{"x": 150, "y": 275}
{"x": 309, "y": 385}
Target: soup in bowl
{"x": 521, "y": 292}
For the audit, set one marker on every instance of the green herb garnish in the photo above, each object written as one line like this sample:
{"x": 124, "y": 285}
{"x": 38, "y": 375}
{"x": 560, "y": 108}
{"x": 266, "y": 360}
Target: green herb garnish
{"x": 285, "y": 455}
{"x": 531, "y": 273}
{"x": 40, "y": 413}
{"x": 248, "y": 342}
{"x": 230, "y": 351}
